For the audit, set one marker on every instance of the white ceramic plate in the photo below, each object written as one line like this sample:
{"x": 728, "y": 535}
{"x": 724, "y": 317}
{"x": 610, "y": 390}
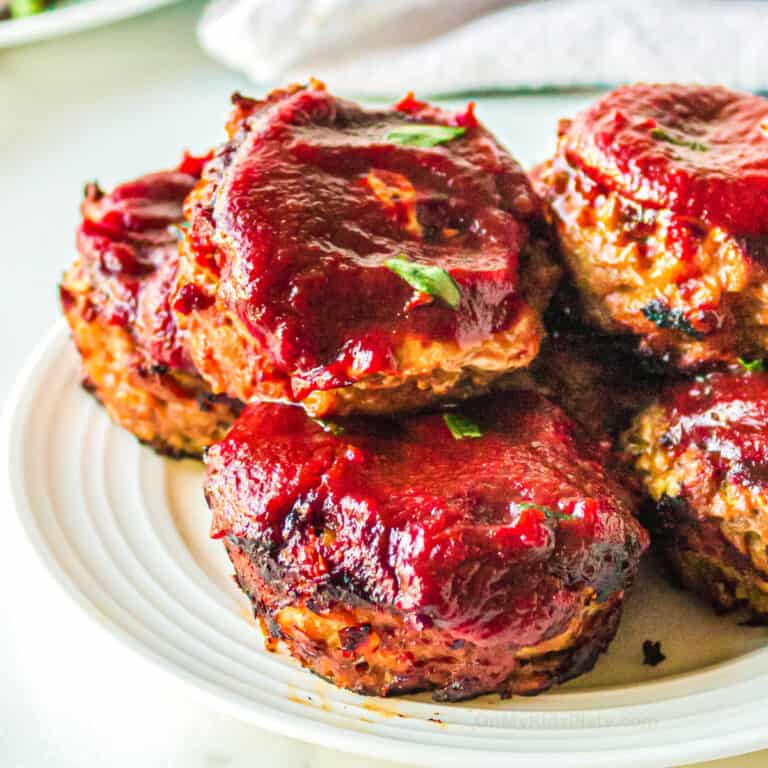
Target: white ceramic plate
{"x": 71, "y": 16}
{"x": 124, "y": 532}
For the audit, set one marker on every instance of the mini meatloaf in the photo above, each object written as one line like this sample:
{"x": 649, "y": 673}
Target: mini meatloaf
{"x": 116, "y": 301}
{"x": 660, "y": 197}
{"x": 486, "y": 550}
{"x": 361, "y": 261}
{"x": 702, "y": 452}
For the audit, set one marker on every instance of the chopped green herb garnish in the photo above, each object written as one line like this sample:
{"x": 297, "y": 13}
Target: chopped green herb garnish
{"x": 432, "y": 280}
{"x": 460, "y": 426}
{"x": 661, "y": 135}
{"x": 330, "y": 426}
{"x": 752, "y": 366}
{"x": 673, "y": 319}
{"x": 421, "y": 135}
{"x": 550, "y": 514}
{"x": 179, "y": 228}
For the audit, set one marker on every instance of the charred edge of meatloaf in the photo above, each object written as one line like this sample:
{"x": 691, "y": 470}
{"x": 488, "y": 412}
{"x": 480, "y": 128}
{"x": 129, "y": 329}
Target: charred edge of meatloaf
{"x": 701, "y": 559}
{"x": 271, "y": 588}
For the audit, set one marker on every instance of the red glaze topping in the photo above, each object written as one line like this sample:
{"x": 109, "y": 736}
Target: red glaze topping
{"x": 725, "y": 416}
{"x": 493, "y": 537}
{"x": 312, "y": 197}
{"x": 699, "y": 151}
{"x": 128, "y": 241}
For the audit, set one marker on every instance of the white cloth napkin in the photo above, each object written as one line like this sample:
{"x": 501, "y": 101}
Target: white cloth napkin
{"x": 383, "y": 47}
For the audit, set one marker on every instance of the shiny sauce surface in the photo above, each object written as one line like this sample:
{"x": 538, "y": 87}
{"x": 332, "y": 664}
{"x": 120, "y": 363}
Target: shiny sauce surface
{"x": 313, "y": 195}
{"x": 495, "y": 537}
{"x": 725, "y": 417}
{"x": 698, "y": 151}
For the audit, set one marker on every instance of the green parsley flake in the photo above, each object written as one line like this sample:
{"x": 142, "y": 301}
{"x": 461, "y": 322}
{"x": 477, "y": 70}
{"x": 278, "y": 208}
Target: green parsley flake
{"x": 432, "y": 280}
{"x": 663, "y": 316}
{"x": 330, "y": 426}
{"x": 661, "y": 135}
{"x": 751, "y": 366}
{"x": 550, "y": 514}
{"x": 421, "y": 135}
{"x": 177, "y": 230}
{"x": 460, "y": 426}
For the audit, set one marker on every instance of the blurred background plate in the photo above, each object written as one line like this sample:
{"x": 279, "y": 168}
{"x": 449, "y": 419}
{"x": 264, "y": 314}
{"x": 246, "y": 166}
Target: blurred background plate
{"x": 124, "y": 533}
{"x": 71, "y": 16}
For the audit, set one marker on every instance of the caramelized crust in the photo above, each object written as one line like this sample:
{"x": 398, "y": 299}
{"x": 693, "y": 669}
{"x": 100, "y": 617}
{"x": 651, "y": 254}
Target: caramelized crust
{"x": 706, "y": 307}
{"x": 701, "y": 559}
{"x": 172, "y": 411}
{"x": 376, "y": 650}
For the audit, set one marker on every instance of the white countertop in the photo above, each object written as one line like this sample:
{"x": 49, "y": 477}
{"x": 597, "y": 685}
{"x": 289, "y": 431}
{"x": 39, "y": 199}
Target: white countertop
{"x": 110, "y": 104}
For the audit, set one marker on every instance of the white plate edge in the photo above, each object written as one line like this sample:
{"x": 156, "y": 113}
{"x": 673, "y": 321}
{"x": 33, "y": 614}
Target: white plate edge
{"x": 298, "y": 726}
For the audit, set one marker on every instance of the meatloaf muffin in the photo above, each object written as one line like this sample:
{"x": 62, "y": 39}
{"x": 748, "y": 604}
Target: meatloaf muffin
{"x": 361, "y": 260}
{"x": 660, "y": 197}
{"x": 702, "y": 453}
{"x": 486, "y": 550}
{"x": 116, "y": 300}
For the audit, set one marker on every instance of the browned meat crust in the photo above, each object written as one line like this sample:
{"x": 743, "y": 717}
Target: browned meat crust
{"x": 170, "y": 410}
{"x": 701, "y": 559}
{"x": 115, "y": 299}
{"x": 631, "y": 281}
{"x": 371, "y": 649}
{"x": 657, "y": 192}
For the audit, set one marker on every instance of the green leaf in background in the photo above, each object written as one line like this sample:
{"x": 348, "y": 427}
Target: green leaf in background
{"x": 21, "y": 8}
{"x": 421, "y": 135}
{"x": 432, "y": 280}
{"x": 461, "y": 427}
